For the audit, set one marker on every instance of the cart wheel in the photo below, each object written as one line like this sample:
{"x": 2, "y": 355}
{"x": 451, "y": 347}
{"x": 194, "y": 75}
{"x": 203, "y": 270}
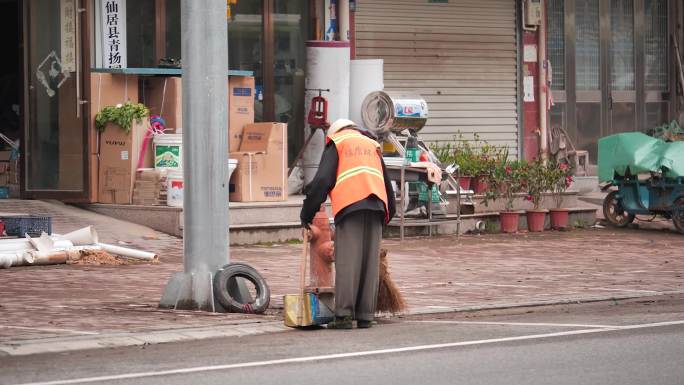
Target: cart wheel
{"x": 614, "y": 213}
{"x": 678, "y": 214}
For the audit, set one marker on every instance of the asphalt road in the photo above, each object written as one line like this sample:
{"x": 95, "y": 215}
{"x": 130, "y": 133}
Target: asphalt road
{"x": 634, "y": 342}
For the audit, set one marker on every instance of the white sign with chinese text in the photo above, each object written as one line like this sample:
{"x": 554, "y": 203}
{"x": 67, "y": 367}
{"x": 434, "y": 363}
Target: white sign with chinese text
{"x": 113, "y": 33}
{"x": 528, "y": 89}
{"x": 67, "y": 18}
{"x": 530, "y": 53}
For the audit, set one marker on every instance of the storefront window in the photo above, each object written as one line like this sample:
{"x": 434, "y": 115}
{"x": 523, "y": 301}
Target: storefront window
{"x": 656, "y": 44}
{"x": 622, "y": 44}
{"x": 556, "y": 42}
{"x": 245, "y": 41}
{"x": 587, "y": 43}
{"x": 291, "y": 31}
{"x": 245, "y": 46}
{"x": 140, "y": 34}
{"x": 173, "y": 29}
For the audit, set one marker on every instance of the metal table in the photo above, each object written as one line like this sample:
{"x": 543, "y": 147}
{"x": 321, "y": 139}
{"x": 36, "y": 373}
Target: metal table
{"x": 404, "y": 174}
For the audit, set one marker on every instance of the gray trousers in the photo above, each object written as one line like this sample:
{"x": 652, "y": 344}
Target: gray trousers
{"x": 357, "y": 264}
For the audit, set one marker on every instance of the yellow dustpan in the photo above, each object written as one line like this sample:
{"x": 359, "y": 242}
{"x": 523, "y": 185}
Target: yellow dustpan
{"x": 304, "y": 309}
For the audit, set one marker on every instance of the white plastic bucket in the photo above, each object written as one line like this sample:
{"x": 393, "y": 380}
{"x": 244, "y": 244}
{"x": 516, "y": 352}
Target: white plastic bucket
{"x": 232, "y": 165}
{"x": 168, "y": 151}
{"x": 174, "y": 191}
{"x": 175, "y": 184}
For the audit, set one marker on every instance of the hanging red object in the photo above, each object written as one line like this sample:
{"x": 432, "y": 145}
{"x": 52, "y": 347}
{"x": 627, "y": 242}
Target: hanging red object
{"x": 318, "y": 113}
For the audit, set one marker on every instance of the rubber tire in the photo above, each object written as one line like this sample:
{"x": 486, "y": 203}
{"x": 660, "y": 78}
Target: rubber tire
{"x": 242, "y": 270}
{"x": 678, "y": 211}
{"x": 606, "y": 213}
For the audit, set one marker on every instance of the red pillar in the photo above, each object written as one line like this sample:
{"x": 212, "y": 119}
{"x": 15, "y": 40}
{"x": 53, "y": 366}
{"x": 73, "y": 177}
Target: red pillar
{"x": 530, "y": 69}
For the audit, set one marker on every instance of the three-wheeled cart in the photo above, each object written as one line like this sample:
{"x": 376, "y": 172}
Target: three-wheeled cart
{"x": 651, "y": 196}
{"x": 648, "y": 174}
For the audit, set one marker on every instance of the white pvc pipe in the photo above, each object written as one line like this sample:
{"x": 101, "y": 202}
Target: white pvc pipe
{"x": 12, "y": 245}
{"x": 126, "y": 252}
{"x": 343, "y": 19}
{"x": 49, "y": 258}
{"x": 82, "y": 237}
{"x": 8, "y": 260}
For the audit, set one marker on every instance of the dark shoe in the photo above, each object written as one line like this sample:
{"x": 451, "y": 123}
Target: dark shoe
{"x": 365, "y": 324}
{"x": 340, "y": 323}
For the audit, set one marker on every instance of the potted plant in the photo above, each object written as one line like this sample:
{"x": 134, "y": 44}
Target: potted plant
{"x": 460, "y": 152}
{"x": 465, "y": 157}
{"x": 488, "y": 157}
{"x": 537, "y": 183}
{"x": 122, "y": 115}
{"x": 505, "y": 182}
{"x": 560, "y": 178}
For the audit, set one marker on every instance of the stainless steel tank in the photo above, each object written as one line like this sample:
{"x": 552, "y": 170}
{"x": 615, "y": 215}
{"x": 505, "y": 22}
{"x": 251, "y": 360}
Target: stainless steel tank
{"x": 383, "y": 112}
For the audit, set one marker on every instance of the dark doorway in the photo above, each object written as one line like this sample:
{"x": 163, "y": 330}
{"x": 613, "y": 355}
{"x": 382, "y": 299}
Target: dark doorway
{"x": 9, "y": 71}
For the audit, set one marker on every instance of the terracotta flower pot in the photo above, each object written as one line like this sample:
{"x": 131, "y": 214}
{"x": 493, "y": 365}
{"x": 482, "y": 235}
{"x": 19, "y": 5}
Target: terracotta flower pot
{"x": 509, "y": 221}
{"x": 480, "y": 184}
{"x": 535, "y": 220}
{"x": 465, "y": 182}
{"x": 559, "y": 218}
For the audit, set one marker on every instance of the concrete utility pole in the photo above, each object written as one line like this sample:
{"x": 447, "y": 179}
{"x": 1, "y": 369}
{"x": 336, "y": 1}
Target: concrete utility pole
{"x": 205, "y": 155}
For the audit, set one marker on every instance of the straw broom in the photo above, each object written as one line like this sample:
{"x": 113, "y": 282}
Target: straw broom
{"x": 389, "y": 296}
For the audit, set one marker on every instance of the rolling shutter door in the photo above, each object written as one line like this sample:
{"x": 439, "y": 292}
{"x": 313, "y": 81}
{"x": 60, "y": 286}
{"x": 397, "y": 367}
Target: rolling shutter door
{"x": 460, "y": 56}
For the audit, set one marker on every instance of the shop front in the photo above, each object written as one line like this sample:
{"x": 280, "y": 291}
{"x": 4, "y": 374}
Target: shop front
{"x": 49, "y": 96}
{"x": 613, "y": 66}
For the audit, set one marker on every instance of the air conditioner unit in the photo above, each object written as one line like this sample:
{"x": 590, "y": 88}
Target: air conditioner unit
{"x": 533, "y": 12}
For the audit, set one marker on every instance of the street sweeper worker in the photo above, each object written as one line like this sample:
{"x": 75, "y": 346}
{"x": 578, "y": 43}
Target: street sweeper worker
{"x": 353, "y": 174}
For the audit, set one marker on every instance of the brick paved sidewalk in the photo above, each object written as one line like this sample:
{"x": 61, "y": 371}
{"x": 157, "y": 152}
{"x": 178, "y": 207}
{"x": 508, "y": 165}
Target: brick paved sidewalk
{"x": 69, "y": 302}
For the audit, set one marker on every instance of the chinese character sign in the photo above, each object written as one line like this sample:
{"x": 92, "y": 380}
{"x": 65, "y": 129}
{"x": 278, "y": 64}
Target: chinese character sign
{"x": 113, "y": 33}
{"x": 67, "y": 19}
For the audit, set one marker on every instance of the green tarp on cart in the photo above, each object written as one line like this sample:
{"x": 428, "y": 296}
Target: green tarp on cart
{"x": 638, "y": 153}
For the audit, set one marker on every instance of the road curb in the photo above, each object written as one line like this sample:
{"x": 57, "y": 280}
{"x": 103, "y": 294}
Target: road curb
{"x": 567, "y": 301}
{"x": 123, "y": 339}
{"x": 142, "y": 339}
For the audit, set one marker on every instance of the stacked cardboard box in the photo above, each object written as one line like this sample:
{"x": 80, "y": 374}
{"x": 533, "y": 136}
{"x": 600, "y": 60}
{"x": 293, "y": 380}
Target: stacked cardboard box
{"x": 119, "y": 154}
{"x": 106, "y": 90}
{"x": 261, "y": 173}
{"x": 240, "y": 108}
{"x": 150, "y": 188}
{"x": 162, "y": 95}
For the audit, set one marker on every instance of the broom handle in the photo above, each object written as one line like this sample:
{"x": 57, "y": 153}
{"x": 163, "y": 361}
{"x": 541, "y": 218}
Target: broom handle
{"x": 302, "y": 275}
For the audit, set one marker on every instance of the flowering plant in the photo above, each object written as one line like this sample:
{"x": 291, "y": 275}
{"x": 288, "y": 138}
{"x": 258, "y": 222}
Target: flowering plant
{"x": 538, "y": 181}
{"x": 507, "y": 179}
{"x": 560, "y": 178}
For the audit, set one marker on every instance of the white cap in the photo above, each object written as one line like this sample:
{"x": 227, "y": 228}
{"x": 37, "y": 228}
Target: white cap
{"x": 340, "y": 124}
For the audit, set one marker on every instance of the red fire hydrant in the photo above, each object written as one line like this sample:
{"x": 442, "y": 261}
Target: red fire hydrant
{"x": 321, "y": 251}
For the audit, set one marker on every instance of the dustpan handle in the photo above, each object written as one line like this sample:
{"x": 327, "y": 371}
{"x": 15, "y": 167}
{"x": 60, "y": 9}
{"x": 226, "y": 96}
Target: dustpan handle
{"x": 302, "y": 275}
{"x": 305, "y": 257}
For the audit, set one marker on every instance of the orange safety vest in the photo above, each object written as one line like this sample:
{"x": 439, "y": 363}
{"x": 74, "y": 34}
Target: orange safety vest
{"x": 359, "y": 170}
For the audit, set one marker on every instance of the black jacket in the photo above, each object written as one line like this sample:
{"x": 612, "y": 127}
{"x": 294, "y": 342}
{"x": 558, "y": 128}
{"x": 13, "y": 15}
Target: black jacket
{"x": 317, "y": 191}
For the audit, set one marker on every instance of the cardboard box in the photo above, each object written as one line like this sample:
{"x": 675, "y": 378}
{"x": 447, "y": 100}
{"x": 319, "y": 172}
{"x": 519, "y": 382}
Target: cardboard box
{"x": 261, "y": 173}
{"x": 163, "y": 96}
{"x": 150, "y": 188}
{"x": 240, "y": 108}
{"x": 105, "y": 90}
{"x": 119, "y": 153}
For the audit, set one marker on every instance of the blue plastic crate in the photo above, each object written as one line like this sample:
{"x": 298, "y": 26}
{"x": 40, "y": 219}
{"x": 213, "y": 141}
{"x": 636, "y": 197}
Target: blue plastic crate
{"x": 33, "y": 225}
{"x": 4, "y": 192}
